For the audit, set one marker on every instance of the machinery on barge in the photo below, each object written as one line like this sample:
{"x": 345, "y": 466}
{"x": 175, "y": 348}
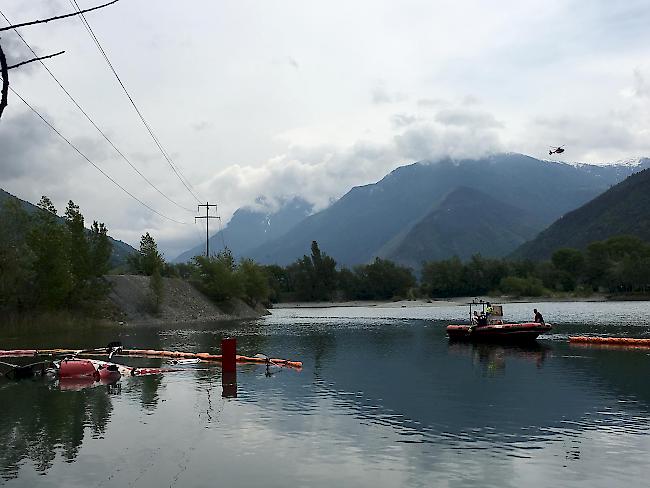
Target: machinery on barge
{"x": 489, "y": 326}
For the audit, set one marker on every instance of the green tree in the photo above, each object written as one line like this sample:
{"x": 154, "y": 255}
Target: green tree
{"x": 100, "y": 249}
{"x": 148, "y": 259}
{"x": 482, "y": 275}
{"x": 278, "y": 280}
{"x": 569, "y": 264}
{"x": 570, "y": 260}
{"x": 215, "y": 276}
{"x": 313, "y": 277}
{"x": 254, "y": 281}
{"x": 16, "y": 258}
{"x": 382, "y": 280}
{"x": 48, "y": 241}
{"x": 349, "y": 284}
{"x": 597, "y": 265}
{"x": 444, "y": 278}
{"x": 78, "y": 253}
{"x": 324, "y": 271}
{"x": 620, "y": 246}
{"x": 516, "y": 286}
{"x": 301, "y": 278}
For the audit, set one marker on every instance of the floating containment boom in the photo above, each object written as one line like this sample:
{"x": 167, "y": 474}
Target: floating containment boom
{"x": 204, "y": 356}
{"x": 609, "y": 341}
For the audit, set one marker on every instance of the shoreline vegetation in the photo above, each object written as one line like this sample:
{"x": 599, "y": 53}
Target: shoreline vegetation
{"x": 615, "y": 269}
{"x": 55, "y": 273}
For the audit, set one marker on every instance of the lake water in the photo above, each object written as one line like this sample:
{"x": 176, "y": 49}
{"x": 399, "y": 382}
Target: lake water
{"x": 383, "y": 400}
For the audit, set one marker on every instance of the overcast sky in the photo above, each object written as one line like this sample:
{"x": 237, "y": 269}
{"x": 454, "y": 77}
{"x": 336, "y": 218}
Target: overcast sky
{"x": 310, "y": 98}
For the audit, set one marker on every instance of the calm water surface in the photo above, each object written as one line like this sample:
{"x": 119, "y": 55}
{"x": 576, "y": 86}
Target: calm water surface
{"x": 383, "y": 400}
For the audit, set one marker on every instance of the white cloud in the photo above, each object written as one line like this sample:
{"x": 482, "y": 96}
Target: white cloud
{"x": 380, "y": 95}
{"x": 402, "y": 120}
{"x": 251, "y": 102}
{"x": 462, "y": 117}
{"x": 641, "y": 85}
{"x": 321, "y": 173}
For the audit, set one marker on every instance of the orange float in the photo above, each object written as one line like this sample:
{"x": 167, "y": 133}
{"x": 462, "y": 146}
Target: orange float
{"x": 18, "y": 352}
{"x": 609, "y": 341}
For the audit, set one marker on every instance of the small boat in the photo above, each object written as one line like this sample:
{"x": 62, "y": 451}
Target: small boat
{"x": 495, "y": 329}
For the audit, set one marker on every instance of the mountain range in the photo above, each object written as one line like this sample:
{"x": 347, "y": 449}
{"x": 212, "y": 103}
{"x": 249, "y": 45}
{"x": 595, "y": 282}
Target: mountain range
{"x": 502, "y": 199}
{"x": 121, "y": 250}
{"x": 432, "y": 210}
{"x": 623, "y": 209}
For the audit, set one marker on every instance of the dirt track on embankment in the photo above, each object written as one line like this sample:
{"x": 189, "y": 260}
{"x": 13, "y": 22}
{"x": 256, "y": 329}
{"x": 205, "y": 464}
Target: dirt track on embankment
{"x": 181, "y": 302}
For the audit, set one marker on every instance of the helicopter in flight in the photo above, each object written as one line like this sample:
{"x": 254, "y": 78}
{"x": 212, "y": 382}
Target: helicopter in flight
{"x": 556, "y": 150}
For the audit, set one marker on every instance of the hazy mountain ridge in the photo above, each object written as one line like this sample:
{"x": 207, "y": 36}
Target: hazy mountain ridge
{"x": 251, "y": 226}
{"x": 121, "y": 250}
{"x": 360, "y": 225}
{"x": 467, "y": 222}
{"x": 623, "y": 209}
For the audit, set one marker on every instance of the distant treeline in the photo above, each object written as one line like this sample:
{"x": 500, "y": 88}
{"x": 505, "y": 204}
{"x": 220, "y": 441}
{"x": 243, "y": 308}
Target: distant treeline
{"x": 316, "y": 278}
{"x": 618, "y": 265}
{"x": 49, "y": 262}
{"x": 311, "y": 278}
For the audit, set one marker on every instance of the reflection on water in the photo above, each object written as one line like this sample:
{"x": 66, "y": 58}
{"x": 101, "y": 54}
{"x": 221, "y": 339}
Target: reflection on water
{"x": 38, "y": 421}
{"x": 491, "y": 358}
{"x": 383, "y": 399}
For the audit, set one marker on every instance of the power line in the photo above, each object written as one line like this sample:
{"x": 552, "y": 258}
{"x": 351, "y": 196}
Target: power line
{"x": 93, "y": 164}
{"x": 145, "y": 123}
{"x": 94, "y": 124}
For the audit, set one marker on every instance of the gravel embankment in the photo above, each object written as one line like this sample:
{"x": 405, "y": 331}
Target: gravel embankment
{"x": 181, "y": 302}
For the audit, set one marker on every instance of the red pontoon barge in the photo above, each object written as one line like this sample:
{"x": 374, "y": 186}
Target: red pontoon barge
{"x": 491, "y": 327}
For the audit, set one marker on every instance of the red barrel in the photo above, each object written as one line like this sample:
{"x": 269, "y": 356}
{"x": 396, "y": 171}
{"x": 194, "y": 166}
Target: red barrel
{"x": 229, "y": 354}
{"x": 77, "y": 368}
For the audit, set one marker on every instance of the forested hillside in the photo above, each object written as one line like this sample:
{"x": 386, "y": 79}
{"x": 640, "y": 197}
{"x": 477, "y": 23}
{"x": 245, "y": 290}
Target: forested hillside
{"x": 623, "y": 209}
{"x": 467, "y": 222}
{"x": 49, "y": 262}
{"x": 119, "y": 250}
